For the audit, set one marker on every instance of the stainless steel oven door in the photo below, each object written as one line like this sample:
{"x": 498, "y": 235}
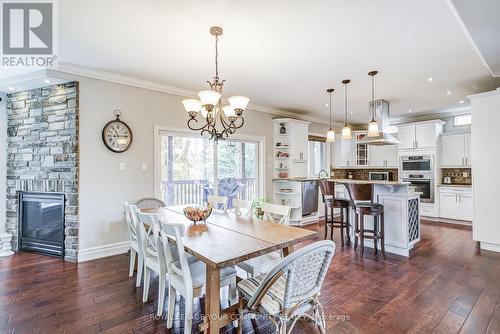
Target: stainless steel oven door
{"x": 423, "y": 186}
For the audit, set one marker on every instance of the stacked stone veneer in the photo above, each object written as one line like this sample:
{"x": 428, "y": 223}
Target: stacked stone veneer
{"x": 42, "y": 153}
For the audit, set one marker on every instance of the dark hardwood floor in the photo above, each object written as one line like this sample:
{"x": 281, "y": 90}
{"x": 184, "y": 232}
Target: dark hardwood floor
{"x": 447, "y": 286}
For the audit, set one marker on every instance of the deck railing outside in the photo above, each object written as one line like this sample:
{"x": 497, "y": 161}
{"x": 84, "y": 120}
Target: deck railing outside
{"x": 180, "y": 192}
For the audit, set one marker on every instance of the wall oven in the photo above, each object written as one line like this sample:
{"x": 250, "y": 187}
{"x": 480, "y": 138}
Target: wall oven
{"x": 417, "y": 163}
{"x": 422, "y": 183}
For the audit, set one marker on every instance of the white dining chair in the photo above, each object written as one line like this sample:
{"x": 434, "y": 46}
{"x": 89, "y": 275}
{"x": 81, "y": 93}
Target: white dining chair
{"x": 188, "y": 279}
{"x": 242, "y": 207}
{"x": 154, "y": 256}
{"x": 135, "y": 243}
{"x": 271, "y": 211}
{"x": 152, "y": 261}
{"x": 265, "y": 262}
{"x": 218, "y": 202}
{"x": 290, "y": 291}
{"x": 150, "y": 203}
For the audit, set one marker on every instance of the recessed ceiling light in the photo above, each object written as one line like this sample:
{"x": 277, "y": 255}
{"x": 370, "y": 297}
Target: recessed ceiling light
{"x": 326, "y": 105}
{"x": 409, "y": 110}
{"x": 10, "y": 88}
{"x": 46, "y": 80}
{"x": 461, "y": 101}
{"x": 352, "y": 112}
{"x": 448, "y": 92}
{"x": 430, "y": 79}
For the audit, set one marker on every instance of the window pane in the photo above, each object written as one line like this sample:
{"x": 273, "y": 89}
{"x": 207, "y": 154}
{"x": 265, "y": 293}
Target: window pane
{"x": 188, "y": 174}
{"x": 237, "y": 169}
{"x": 187, "y": 169}
{"x": 317, "y": 157}
{"x": 462, "y": 120}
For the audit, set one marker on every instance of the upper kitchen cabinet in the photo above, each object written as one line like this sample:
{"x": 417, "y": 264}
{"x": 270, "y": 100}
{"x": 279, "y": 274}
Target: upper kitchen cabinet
{"x": 420, "y": 135}
{"x": 456, "y": 150}
{"x": 344, "y": 152}
{"x": 290, "y": 147}
{"x": 299, "y": 136}
{"x": 383, "y": 156}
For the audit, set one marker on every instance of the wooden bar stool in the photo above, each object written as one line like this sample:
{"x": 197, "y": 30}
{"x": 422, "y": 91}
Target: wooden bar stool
{"x": 328, "y": 194}
{"x": 362, "y": 200}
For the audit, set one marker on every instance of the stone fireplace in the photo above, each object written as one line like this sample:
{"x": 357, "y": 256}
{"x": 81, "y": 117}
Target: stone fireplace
{"x": 42, "y": 154}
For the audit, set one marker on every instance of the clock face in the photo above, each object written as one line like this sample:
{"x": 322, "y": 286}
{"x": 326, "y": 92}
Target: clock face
{"x": 117, "y": 136}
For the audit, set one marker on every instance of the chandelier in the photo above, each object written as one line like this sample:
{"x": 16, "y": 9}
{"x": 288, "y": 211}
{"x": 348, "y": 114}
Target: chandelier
{"x": 209, "y": 105}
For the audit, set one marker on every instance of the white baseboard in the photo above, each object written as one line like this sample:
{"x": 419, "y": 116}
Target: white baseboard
{"x": 490, "y": 247}
{"x": 98, "y": 252}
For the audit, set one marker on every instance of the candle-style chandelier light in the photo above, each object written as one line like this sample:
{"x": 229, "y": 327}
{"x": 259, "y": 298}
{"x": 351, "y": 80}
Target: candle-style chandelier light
{"x": 210, "y": 105}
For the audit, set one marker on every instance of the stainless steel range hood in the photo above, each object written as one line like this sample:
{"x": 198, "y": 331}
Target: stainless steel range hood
{"x": 382, "y": 117}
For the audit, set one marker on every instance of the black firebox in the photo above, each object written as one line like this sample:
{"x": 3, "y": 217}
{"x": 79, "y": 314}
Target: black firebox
{"x": 41, "y": 223}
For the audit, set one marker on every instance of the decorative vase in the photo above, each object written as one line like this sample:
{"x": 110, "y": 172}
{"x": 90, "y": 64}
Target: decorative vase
{"x": 282, "y": 129}
{"x": 5, "y": 246}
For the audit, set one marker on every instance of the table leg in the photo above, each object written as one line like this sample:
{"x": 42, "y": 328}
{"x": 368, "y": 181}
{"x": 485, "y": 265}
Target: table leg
{"x": 212, "y": 301}
{"x": 287, "y": 250}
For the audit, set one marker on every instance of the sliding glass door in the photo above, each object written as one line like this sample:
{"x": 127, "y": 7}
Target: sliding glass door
{"x": 193, "y": 168}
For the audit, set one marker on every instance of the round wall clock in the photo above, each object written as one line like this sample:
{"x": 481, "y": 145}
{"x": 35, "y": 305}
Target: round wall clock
{"x": 117, "y": 135}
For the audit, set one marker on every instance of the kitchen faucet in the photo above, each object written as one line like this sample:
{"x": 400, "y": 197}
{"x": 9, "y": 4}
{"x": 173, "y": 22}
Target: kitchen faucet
{"x": 322, "y": 171}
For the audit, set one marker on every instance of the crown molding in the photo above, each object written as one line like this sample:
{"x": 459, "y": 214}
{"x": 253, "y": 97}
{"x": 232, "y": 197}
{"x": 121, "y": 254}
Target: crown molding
{"x": 88, "y": 72}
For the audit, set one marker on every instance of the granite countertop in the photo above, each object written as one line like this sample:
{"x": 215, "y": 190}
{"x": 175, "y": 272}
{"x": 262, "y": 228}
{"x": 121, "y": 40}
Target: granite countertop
{"x": 391, "y": 183}
{"x": 299, "y": 178}
{"x": 455, "y": 185}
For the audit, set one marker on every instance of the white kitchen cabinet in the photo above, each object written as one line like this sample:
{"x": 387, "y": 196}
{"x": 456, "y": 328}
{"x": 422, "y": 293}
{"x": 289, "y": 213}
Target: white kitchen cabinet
{"x": 406, "y": 135}
{"x": 456, "y": 150}
{"x": 343, "y": 152}
{"x": 383, "y": 156}
{"x": 299, "y": 139}
{"x": 468, "y": 155}
{"x": 455, "y": 203}
{"x": 467, "y": 207}
{"x": 420, "y": 135}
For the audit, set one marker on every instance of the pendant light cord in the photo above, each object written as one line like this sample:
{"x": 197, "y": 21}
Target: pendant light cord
{"x": 345, "y": 105}
{"x": 373, "y": 99}
{"x": 330, "y": 110}
{"x": 216, "y": 57}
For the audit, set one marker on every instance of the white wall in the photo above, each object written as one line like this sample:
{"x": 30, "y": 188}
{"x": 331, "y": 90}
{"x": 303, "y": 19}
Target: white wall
{"x": 103, "y": 187}
{"x": 3, "y": 162}
{"x": 485, "y": 169}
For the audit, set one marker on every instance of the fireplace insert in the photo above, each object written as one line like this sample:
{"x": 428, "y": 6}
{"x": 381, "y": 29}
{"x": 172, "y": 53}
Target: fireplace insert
{"x": 41, "y": 223}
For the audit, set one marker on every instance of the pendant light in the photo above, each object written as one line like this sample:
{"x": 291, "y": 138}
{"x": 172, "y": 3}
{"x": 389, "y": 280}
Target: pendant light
{"x": 346, "y": 130}
{"x": 330, "y": 135}
{"x": 373, "y": 125}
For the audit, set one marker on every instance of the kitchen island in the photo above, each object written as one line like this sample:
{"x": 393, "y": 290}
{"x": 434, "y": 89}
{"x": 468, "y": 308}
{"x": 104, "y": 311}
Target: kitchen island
{"x": 401, "y": 213}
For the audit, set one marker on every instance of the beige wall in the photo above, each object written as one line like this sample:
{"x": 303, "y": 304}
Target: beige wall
{"x": 103, "y": 187}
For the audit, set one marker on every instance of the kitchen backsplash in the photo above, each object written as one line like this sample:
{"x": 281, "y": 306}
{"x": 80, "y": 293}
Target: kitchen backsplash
{"x": 362, "y": 174}
{"x": 457, "y": 175}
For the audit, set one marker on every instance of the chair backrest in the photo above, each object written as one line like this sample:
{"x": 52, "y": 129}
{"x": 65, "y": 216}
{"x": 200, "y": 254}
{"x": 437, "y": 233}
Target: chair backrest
{"x": 132, "y": 221}
{"x": 360, "y": 192}
{"x": 153, "y": 241}
{"x": 177, "y": 268}
{"x": 304, "y": 270}
{"x": 327, "y": 189}
{"x": 275, "y": 209}
{"x": 150, "y": 203}
{"x": 149, "y": 244}
{"x": 218, "y": 202}
{"x": 242, "y": 207}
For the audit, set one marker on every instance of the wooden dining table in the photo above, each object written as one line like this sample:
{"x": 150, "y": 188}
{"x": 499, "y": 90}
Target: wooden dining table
{"x": 225, "y": 240}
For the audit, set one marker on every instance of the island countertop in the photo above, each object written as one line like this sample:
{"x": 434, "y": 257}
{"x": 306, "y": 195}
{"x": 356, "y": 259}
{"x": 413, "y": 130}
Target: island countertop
{"x": 389, "y": 183}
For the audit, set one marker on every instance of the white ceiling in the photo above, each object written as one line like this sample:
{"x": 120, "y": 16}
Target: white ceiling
{"x": 483, "y": 25}
{"x": 284, "y": 54}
